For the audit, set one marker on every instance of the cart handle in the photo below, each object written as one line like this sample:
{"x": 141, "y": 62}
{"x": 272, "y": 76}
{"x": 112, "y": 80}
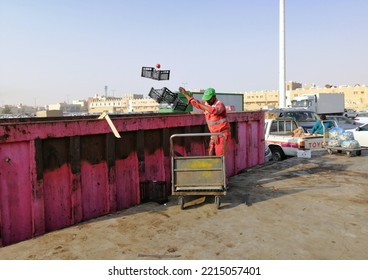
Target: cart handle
{"x": 195, "y": 135}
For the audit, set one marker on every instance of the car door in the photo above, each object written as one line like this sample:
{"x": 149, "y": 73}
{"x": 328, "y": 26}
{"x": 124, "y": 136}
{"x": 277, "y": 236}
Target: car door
{"x": 361, "y": 135}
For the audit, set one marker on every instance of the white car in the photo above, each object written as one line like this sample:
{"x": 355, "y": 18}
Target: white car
{"x": 349, "y": 113}
{"x": 343, "y": 122}
{"x": 362, "y": 117}
{"x": 361, "y": 134}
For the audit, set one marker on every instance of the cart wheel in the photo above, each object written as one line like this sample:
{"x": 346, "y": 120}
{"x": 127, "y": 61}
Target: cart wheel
{"x": 359, "y": 152}
{"x": 329, "y": 151}
{"x": 217, "y": 202}
{"x": 348, "y": 153}
{"x": 181, "y": 202}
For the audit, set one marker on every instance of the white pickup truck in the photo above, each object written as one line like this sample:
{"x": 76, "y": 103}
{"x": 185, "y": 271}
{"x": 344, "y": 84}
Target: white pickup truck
{"x": 281, "y": 141}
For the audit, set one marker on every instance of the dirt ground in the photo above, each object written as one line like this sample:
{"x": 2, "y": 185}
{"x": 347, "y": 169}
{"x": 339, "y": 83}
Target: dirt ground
{"x": 304, "y": 209}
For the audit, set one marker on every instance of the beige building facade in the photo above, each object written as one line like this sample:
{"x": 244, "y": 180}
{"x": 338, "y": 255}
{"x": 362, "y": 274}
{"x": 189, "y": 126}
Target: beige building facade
{"x": 126, "y": 104}
{"x": 356, "y": 97}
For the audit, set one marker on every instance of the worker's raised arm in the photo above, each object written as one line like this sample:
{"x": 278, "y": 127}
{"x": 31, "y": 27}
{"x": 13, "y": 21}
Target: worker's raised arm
{"x": 184, "y": 92}
{"x": 194, "y": 101}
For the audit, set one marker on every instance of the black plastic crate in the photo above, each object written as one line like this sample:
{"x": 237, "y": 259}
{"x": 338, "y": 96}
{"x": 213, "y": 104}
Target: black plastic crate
{"x": 156, "y": 94}
{"x": 168, "y": 96}
{"x": 153, "y": 191}
{"x": 161, "y": 74}
{"x": 152, "y": 73}
{"x": 147, "y": 72}
{"x": 163, "y": 95}
{"x": 179, "y": 105}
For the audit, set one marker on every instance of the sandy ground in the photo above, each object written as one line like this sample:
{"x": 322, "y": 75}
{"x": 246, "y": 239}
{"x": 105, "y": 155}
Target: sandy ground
{"x": 296, "y": 209}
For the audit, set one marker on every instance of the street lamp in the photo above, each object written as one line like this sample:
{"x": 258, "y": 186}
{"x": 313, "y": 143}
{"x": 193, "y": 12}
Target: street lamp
{"x": 282, "y": 67}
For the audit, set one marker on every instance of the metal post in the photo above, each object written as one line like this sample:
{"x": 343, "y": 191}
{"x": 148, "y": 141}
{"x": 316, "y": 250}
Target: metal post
{"x": 282, "y": 81}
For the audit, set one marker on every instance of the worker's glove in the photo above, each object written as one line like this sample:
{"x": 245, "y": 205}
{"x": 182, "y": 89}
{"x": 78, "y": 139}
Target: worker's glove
{"x": 211, "y": 150}
{"x": 215, "y": 139}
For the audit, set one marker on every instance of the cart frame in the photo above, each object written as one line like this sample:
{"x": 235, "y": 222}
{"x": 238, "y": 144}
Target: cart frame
{"x": 349, "y": 152}
{"x": 197, "y": 175}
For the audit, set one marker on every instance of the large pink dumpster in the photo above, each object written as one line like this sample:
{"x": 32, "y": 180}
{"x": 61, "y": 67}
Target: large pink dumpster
{"x": 58, "y": 172}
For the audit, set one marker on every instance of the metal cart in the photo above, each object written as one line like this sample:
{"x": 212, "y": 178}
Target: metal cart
{"x": 349, "y": 152}
{"x": 338, "y": 149}
{"x": 197, "y": 175}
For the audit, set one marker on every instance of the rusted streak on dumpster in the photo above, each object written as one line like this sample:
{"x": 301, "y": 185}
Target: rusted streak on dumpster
{"x": 15, "y": 193}
{"x": 38, "y": 203}
{"x": 127, "y": 184}
{"x": 56, "y": 174}
{"x": 95, "y": 190}
{"x": 57, "y": 198}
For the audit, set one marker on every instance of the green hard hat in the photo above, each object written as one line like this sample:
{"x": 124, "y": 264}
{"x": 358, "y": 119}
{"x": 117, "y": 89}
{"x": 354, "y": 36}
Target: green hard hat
{"x": 208, "y": 94}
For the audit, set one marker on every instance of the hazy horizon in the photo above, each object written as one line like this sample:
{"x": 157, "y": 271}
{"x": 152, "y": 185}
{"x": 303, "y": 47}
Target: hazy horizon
{"x": 53, "y": 51}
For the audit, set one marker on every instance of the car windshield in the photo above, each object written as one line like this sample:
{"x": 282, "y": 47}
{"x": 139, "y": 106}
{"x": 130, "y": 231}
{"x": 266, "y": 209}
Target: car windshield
{"x": 341, "y": 120}
{"x": 364, "y": 127}
{"x": 301, "y": 116}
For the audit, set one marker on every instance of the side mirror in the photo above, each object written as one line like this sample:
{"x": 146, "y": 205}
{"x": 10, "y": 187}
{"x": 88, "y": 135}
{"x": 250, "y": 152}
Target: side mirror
{"x": 358, "y": 128}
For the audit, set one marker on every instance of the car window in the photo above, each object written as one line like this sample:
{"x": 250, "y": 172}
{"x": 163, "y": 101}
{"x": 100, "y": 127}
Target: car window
{"x": 364, "y": 128}
{"x": 310, "y": 116}
{"x": 281, "y": 127}
{"x": 302, "y": 116}
{"x": 349, "y": 121}
{"x": 288, "y": 126}
{"x": 273, "y": 128}
{"x": 340, "y": 120}
{"x": 346, "y": 121}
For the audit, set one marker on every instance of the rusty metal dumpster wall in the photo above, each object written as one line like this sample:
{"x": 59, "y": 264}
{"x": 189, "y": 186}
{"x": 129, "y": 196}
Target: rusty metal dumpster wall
{"x": 57, "y": 172}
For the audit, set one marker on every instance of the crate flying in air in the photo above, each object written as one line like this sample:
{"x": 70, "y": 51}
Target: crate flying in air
{"x": 155, "y": 74}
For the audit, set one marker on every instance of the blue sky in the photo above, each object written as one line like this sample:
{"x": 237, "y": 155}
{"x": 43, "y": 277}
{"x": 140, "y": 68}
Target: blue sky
{"x": 53, "y": 51}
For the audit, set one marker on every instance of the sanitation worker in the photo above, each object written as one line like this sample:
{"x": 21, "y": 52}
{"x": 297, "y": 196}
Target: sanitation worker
{"x": 320, "y": 128}
{"x": 215, "y": 114}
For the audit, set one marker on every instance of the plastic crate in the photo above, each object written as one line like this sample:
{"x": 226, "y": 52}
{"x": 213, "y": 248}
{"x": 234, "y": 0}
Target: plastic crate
{"x": 153, "y": 191}
{"x": 147, "y": 72}
{"x": 168, "y": 96}
{"x": 152, "y": 73}
{"x": 163, "y": 95}
{"x": 161, "y": 74}
{"x": 179, "y": 105}
{"x": 156, "y": 94}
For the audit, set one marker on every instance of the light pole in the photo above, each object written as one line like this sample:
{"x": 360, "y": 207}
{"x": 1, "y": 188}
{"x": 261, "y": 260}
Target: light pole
{"x": 282, "y": 67}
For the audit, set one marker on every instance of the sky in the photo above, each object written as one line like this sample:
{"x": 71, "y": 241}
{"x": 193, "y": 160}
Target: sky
{"x": 62, "y": 50}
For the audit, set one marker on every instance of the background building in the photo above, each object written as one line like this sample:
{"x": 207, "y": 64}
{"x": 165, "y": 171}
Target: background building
{"x": 356, "y": 97}
{"x": 125, "y": 104}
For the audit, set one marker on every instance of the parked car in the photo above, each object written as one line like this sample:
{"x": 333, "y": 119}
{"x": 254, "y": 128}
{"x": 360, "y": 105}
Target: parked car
{"x": 350, "y": 113}
{"x": 268, "y": 154}
{"x": 362, "y": 117}
{"x": 343, "y": 122}
{"x": 361, "y": 134}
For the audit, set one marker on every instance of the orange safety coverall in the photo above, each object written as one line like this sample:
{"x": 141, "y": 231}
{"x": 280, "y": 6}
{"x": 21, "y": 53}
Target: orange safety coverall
{"x": 217, "y": 122}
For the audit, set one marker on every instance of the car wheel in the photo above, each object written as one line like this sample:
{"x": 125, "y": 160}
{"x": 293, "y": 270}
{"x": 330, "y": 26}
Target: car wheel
{"x": 277, "y": 153}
